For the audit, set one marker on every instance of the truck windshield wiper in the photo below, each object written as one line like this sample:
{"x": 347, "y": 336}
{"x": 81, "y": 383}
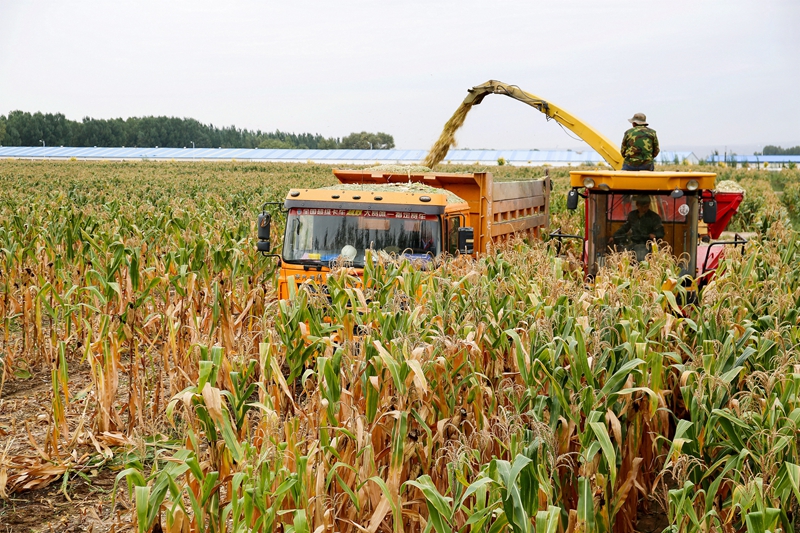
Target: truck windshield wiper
{"x": 309, "y": 264}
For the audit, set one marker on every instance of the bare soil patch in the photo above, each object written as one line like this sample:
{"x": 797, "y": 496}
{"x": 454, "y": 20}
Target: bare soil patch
{"x": 88, "y": 508}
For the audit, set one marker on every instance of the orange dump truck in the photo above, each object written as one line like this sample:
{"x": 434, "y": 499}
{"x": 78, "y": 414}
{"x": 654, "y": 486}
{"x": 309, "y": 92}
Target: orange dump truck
{"x": 417, "y": 216}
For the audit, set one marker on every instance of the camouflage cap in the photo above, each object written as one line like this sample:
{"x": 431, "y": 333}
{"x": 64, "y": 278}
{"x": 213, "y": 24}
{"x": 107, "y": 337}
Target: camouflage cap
{"x": 638, "y": 118}
{"x": 642, "y": 200}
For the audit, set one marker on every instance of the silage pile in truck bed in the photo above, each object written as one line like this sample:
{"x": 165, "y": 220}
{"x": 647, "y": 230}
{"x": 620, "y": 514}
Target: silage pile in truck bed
{"x": 400, "y": 169}
{"x": 417, "y": 188}
{"x": 729, "y": 186}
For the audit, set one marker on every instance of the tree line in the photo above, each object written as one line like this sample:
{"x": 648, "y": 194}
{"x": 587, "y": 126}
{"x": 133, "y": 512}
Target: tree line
{"x": 20, "y": 128}
{"x": 777, "y": 150}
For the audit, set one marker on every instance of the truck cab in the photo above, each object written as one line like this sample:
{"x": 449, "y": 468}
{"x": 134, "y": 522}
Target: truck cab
{"x": 685, "y": 202}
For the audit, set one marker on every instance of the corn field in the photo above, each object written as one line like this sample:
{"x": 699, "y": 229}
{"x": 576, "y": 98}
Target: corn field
{"x": 489, "y": 395}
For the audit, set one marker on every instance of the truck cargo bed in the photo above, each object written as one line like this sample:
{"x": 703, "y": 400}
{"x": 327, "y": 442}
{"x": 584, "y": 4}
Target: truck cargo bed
{"x": 497, "y": 210}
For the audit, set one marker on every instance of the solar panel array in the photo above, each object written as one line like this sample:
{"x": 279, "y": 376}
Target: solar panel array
{"x": 755, "y": 159}
{"x": 485, "y": 157}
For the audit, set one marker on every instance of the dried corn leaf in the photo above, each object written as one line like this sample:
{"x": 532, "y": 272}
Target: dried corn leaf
{"x": 213, "y": 402}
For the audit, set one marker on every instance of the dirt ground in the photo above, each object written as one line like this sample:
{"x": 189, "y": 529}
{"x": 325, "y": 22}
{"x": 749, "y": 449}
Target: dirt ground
{"x": 83, "y": 503}
{"x": 653, "y": 522}
{"x": 48, "y": 509}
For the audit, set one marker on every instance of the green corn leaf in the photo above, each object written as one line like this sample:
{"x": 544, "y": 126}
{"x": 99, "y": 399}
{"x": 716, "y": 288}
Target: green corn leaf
{"x": 793, "y": 474}
{"x": 440, "y": 512}
{"x": 732, "y": 462}
{"x": 582, "y": 358}
{"x": 478, "y": 518}
{"x": 142, "y": 507}
{"x": 679, "y": 440}
{"x": 471, "y": 489}
{"x": 230, "y": 438}
{"x": 585, "y": 504}
{"x": 209, "y": 487}
{"x": 284, "y": 487}
{"x": 520, "y": 462}
{"x": 620, "y": 376}
{"x": 547, "y": 521}
{"x": 608, "y": 449}
{"x": 387, "y": 494}
{"x": 729, "y": 424}
{"x": 499, "y": 524}
{"x": 512, "y": 502}
{"x": 348, "y": 491}
{"x": 762, "y": 521}
{"x": 300, "y": 521}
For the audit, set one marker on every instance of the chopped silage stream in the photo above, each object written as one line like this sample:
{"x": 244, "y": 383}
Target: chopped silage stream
{"x": 447, "y": 139}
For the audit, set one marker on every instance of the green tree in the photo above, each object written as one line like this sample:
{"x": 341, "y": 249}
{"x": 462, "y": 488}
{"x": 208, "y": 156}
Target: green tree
{"x": 777, "y": 150}
{"x": 94, "y": 132}
{"x": 368, "y": 141}
{"x": 21, "y": 128}
{"x": 275, "y": 143}
{"x": 331, "y": 143}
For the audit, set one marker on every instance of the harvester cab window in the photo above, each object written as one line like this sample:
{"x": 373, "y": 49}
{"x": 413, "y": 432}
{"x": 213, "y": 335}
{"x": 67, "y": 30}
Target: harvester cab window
{"x": 612, "y": 227}
{"x": 324, "y": 235}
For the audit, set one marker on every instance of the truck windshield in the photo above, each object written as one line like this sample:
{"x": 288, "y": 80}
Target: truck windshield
{"x": 323, "y": 235}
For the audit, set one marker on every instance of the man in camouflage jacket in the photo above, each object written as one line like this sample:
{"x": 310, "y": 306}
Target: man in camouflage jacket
{"x": 639, "y": 145}
{"x": 642, "y": 225}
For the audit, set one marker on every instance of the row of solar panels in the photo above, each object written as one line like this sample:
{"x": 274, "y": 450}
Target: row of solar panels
{"x": 755, "y": 159}
{"x": 513, "y": 157}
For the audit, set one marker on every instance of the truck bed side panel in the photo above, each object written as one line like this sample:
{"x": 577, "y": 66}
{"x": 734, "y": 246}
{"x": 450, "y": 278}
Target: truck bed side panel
{"x": 520, "y": 207}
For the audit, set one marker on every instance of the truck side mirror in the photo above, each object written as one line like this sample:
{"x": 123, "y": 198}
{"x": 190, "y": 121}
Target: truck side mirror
{"x": 465, "y": 240}
{"x": 263, "y": 224}
{"x": 710, "y": 211}
{"x": 572, "y": 200}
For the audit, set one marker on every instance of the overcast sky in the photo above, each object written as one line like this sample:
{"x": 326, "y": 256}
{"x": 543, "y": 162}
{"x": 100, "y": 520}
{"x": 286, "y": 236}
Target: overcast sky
{"x": 708, "y": 74}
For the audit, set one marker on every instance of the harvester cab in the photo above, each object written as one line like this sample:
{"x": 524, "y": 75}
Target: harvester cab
{"x": 691, "y": 213}
{"x": 686, "y": 213}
